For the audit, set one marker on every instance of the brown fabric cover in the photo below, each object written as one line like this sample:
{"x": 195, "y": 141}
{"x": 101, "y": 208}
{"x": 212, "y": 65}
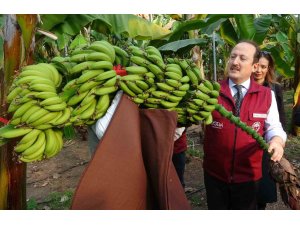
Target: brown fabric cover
{"x": 131, "y": 168}
{"x": 158, "y": 128}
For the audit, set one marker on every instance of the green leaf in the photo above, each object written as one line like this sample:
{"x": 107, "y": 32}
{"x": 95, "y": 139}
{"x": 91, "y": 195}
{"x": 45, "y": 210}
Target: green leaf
{"x": 176, "y": 45}
{"x": 184, "y": 27}
{"x": 281, "y": 37}
{"x": 79, "y": 40}
{"x": 131, "y": 26}
{"x": 282, "y": 67}
{"x": 69, "y": 132}
{"x": 228, "y": 33}
{"x": 262, "y": 26}
{"x": 245, "y": 25}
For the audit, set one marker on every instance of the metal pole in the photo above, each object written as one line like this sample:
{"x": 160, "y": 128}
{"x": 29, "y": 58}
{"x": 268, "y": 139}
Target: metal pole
{"x": 214, "y": 56}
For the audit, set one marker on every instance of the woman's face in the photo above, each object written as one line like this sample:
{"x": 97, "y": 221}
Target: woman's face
{"x": 261, "y": 70}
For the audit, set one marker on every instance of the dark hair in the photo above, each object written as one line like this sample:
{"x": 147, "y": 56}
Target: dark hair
{"x": 257, "y": 49}
{"x": 270, "y": 76}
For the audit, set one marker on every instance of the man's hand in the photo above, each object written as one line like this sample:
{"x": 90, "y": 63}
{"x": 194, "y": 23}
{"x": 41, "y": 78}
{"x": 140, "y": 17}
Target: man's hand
{"x": 276, "y": 146}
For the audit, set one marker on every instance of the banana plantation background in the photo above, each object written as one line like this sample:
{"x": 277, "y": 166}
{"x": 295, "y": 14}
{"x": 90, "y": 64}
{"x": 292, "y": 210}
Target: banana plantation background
{"x": 29, "y": 39}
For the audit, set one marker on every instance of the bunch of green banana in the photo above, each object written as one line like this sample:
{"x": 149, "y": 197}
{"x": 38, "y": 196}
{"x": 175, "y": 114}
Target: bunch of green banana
{"x": 84, "y": 94}
{"x": 203, "y": 101}
{"x": 34, "y": 101}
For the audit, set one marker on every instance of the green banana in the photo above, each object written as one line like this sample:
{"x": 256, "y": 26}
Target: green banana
{"x": 51, "y": 143}
{"x": 82, "y": 66}
{"x": 168, "y": 104}
{"x": 133, "y": 87}
{"x": 208, "y": 84}
{"x": 136, "y": 70}
{"x": 119, "y": 51}
{"x": 160, "y": 94}
{"x": 51, "y": 101}
{"x": 42, "y": 88}
{"x": 178, "y": 93}
{"x": 132, "y": 77}
{"x": 173, "y": 83}
{"x": 56, "y": 107}
{"x": 27, "y": 140}
{"x": 89, "y": 74}
{"x": 104, "y": 47}
{"x": 208, "y": 108}
{"x": 203, "y": 88}
{"x": 101, "y": 65}
{"x": 142, "y": 84}
{"x": 23, "y": 108}
{"x": 88, "y": 86}
{"x": 126, "y": 89}
{"x": 106, "y": 75}
{"x": 184, "y": 87}
{"x": 63, "y": 118}
{"x": 9, "y": 131}
{"x": 192, "y": 76}
{"x": 165, "y": 87}
{"x": 214, "y": 93}
{"x": 105, "y": 90}
{"x": 172, "y": 75}
{"x": 173, "y": 98}
{"x": 89, "y": 111}
{"x": 13, "y": 94}
{"x": 77, "y": 98}
{"x": 37, "y": 115}
{"x": 137, "y": 100}
{"x": 98, "y": 56}
{"x": 44, "y": 120}
{"x": 29, "y": 112}
{"x": 212, "y": 101}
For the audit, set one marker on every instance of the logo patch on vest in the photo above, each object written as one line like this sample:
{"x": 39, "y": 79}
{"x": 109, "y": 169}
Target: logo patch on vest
{"x": 256, "y": 126}
{"x": 217, "y": 125}
{"x": 259, "y": 115}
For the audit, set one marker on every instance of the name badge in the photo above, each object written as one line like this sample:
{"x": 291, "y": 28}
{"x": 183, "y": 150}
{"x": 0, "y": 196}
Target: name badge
{"x": 259, "y": 115}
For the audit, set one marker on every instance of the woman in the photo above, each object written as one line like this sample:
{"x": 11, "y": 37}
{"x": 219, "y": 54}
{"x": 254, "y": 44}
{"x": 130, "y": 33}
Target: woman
{"x": 265, "y": 75}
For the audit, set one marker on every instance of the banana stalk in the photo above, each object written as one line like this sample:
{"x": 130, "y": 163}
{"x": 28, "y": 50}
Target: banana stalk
{"x": 249, "y": 130}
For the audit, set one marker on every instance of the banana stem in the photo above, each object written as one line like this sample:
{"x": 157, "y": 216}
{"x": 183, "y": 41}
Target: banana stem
{"x": 249, "y": 130}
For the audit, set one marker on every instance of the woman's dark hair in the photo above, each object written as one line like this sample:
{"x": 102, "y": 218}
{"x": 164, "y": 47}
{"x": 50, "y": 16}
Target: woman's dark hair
{"x": 270, "y": 76}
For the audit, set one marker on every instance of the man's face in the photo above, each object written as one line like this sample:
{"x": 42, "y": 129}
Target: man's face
{"x": 240, "y": 64}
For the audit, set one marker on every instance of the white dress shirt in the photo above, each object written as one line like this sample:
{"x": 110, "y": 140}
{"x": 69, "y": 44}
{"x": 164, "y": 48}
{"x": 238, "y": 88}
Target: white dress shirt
{"x": 273, "y": 125}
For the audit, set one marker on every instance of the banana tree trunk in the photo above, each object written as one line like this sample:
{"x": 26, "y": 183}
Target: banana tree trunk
{"x": 18, "y": 49}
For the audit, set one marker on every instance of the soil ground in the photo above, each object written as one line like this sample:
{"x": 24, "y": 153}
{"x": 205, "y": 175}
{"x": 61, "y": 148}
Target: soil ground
{"x": 62, "y": 173}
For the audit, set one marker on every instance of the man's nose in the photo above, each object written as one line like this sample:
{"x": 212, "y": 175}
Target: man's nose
{"x": 235, "y": 61}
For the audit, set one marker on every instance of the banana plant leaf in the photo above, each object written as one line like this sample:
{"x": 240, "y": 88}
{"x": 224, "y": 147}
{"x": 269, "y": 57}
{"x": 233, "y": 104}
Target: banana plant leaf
{"x": 176, "y": 45}
{"x": 262, "y": 26}
{"x": 132, "y": 26}
{"x": 27, "y": 25}
{"x": 245, "y": 24}
{"x": 227, "y": 32}
{"x": 283, "y": 41}
{"x": 282, "y": 66}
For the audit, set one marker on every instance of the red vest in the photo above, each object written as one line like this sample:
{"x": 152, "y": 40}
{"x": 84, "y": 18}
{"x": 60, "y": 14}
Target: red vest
{"x": 230, "y": 154}
{"x": 180, "y": 144}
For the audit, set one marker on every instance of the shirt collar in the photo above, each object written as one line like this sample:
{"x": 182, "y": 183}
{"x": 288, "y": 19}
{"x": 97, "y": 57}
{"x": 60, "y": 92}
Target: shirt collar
{"x": 245, "y": 84}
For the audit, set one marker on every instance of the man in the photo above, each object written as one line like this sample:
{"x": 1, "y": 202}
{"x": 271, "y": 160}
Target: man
{"x": 232, "y": 158}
